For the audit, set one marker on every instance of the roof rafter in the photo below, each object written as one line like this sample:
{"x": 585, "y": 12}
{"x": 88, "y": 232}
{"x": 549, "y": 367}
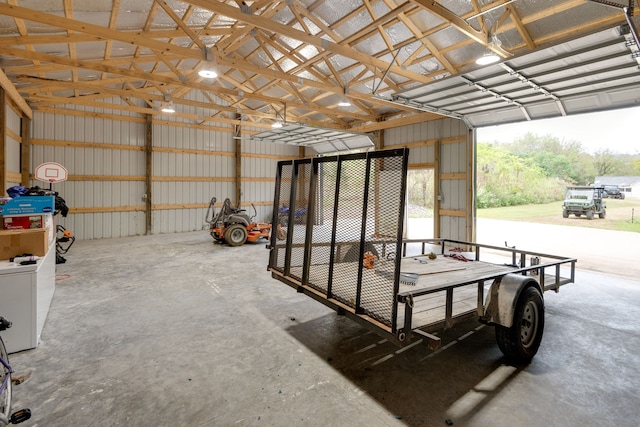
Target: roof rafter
{"x": 268, "y": 52}
{"x": 156, "y": 77}
{"x": 68, "y": 13}
{"x": 113, "y": 19}
{"x": 69, "y": 24}
{"x": 520, "y": 27}
{"x": 181, "y": 23}
{"x": 316, "y": 41}
{"x": 26, "y": 40}
{"x": 22, "y": 29}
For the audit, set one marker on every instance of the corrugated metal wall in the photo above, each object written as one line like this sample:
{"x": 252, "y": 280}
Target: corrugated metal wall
{"x": 190, "y": 166}
{"x": 193, "y": 161}
{"x": 106, "y": 160}
{"x": 106, "y": 163}
{"x": 446, "y": 146}
{"x": 259, "y": 164}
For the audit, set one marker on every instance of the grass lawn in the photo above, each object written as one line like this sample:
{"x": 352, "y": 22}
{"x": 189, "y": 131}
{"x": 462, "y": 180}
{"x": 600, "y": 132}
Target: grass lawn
{"x": 622, "y": 215}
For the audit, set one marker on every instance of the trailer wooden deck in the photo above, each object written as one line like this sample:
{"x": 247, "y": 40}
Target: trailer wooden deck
{"x": 435, "y": 276}
{"x": 437, "y": 293}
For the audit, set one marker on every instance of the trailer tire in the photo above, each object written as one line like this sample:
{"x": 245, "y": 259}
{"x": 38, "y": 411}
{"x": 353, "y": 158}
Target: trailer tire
{"x": 236, "y": 235}
{"x": 521, "y": 341}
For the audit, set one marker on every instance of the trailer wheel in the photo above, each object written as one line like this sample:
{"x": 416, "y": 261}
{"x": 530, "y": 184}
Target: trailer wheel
{"x": 521, "y": 341}
{"x": 236, "y": 235}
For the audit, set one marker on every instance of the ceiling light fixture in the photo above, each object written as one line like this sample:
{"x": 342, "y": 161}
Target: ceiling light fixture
{"x": 168, "y": 108}
{"x": 489, "y": 56}
{"x": 280, "y": 119}
{"x": 344, "y": 102}
{"x": 208, "y": 71}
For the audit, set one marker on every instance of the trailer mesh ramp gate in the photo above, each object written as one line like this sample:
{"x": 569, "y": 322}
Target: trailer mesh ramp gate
{"x": 343, "y": 221}
{"x": 335, "y": 211}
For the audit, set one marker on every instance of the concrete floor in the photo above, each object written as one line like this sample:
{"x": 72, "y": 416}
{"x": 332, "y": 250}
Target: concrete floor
{"x": 173, "y": 330}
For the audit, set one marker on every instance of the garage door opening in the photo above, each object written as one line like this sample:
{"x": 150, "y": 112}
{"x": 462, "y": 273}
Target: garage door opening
{"x": 420, "y": 204}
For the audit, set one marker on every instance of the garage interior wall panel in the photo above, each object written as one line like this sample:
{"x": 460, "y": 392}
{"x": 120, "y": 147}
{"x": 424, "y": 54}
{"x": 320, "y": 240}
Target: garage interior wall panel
{"x": 452, "y": 137}
{"x": 453, "y": 227}
{"x": 422, "y": 156}
{"x": 259, "y": 164}
{"x": 104, "y": 225}
{"x": 190, "y": 165}
{"x": 456, "y": 188}
{"x": 105, "y": 204}
{"x": 185, "y": 182}
{"x": 456, "y": 157}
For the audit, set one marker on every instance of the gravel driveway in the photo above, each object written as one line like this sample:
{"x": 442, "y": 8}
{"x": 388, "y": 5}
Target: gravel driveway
{"x": 606, "y": 251}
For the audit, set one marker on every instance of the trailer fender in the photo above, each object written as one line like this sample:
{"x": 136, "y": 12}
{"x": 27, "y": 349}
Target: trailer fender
{"x": 503, "y": 297}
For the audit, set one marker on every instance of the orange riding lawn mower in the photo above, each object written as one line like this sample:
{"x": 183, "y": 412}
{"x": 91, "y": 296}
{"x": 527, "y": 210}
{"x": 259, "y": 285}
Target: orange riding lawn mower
{"x": 235, "y": 227}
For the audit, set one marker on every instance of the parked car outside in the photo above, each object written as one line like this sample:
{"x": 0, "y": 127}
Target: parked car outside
{"x": 613, "y": 191}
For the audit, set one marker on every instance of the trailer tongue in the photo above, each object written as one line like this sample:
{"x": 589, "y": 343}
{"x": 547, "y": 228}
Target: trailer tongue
{"x": 347, "y": 252}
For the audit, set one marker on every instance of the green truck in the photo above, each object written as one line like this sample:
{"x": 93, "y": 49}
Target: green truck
{"x": 584, "y": 200}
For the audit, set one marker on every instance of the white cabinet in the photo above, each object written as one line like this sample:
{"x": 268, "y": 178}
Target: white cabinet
{"x": 26, "y": 292}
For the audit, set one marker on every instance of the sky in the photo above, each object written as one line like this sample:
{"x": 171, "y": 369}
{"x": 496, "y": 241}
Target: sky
{"x": 616, "y": 130}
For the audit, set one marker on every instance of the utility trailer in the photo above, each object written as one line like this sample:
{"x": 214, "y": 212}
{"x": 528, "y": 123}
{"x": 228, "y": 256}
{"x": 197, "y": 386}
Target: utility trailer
{"x": 347, "y": 251}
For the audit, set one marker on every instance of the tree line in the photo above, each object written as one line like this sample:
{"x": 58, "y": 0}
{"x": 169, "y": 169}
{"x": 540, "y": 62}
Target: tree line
{"x": 537, "y": 169}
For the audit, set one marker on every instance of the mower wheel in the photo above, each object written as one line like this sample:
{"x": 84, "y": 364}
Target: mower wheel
{"x": 236, "y": 235}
